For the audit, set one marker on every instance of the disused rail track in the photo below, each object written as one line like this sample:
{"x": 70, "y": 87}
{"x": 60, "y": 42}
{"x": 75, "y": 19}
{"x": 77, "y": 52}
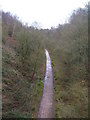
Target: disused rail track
{"x": 46, "y": 105}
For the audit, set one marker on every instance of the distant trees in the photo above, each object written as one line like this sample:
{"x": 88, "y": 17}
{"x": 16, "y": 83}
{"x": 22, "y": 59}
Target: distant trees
{"x": 36, "y": 25}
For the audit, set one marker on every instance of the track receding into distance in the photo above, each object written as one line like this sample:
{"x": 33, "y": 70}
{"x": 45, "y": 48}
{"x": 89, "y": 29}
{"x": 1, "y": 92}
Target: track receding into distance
{"x": 46, "y": 105}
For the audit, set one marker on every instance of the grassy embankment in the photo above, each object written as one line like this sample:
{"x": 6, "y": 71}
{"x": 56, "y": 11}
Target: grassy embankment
{"x": 23, "y": 67}
{"x": 69, "y": 52}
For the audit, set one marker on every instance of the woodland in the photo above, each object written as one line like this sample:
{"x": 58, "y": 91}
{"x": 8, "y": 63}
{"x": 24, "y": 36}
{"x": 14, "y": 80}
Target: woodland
{"x": 24, "y": 61}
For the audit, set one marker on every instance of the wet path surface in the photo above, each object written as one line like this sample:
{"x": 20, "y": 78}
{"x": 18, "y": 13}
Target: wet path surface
{"x": 46, "y": 105}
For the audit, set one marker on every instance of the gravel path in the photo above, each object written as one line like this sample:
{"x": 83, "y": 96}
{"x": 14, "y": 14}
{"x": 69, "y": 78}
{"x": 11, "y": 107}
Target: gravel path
{"x": 46, "y": 105}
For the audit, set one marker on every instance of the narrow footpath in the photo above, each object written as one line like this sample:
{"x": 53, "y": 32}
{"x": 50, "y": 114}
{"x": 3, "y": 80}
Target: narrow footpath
{"x": 46, "y": 105}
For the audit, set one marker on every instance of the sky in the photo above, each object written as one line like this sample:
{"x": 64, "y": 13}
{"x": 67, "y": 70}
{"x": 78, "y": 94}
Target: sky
{"x": 48, "y": 13}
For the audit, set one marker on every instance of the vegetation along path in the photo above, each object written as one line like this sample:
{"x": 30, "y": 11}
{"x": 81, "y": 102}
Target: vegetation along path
{"x": 46, "y": 105}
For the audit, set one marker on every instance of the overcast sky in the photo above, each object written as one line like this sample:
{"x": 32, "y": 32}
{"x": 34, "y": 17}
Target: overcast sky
{"x": 47, "y": 12}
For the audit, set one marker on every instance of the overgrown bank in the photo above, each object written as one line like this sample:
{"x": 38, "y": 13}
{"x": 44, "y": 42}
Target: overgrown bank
{"x": 68, "y": 46}
{"x": 23, "y": 69}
